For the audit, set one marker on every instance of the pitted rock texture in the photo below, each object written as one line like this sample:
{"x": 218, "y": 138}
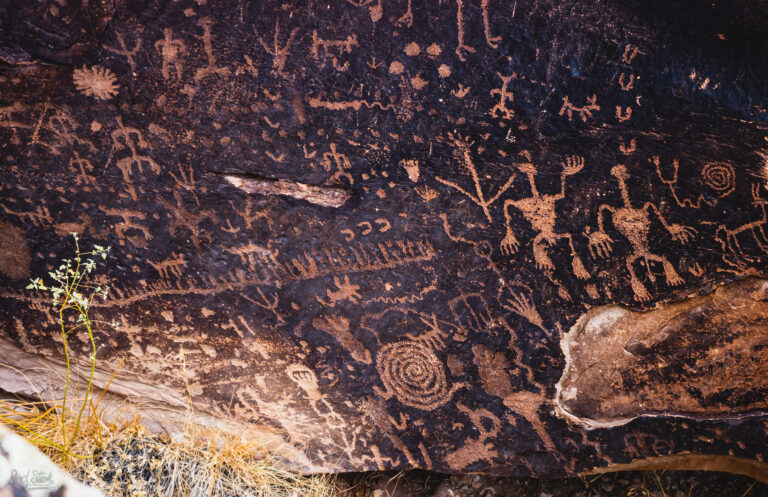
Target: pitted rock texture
{"x": 366, "y": 226}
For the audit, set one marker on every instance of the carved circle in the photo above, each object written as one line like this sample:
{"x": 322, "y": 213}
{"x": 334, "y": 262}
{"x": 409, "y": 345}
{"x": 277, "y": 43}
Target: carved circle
{"x": 413, "y": 373}
{"x": 719, "y": 176}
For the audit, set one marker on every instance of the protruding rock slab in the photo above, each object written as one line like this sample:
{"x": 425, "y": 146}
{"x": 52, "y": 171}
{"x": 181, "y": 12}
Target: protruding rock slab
{"x": 705, "y": 357}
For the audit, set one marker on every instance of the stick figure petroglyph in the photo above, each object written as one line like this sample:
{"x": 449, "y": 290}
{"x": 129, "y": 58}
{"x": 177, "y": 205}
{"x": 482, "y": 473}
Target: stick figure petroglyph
{"x": 462, "y": 152}
{"x": 132, "y": 139}
{"x": 540, "y": 211}
{"x": 500, "y": 109}
{"x": 279, "y": 53}
{"x": 170, "y": 49}
{"x": 635, "y": 225}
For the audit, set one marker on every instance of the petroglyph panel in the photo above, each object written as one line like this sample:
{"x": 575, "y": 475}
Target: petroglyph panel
{"x": 366, "y": 227}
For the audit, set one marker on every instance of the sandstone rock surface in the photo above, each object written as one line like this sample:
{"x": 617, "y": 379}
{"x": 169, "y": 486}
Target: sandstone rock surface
{"x": 383, "y": 233}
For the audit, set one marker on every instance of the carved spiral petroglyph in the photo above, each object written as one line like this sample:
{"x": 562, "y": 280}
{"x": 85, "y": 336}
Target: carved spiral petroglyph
{"x": 412, "y": 373}
{"x": 720, "y": 177}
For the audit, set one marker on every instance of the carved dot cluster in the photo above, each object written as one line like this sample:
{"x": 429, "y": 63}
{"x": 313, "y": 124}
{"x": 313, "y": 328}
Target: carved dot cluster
{"x": 413, "y": 373}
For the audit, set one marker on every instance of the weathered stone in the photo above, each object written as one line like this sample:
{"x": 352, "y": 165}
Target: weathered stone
{"x": 384, "y": 232}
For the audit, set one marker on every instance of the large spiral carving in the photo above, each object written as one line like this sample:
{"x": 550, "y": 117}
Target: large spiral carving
{"x": 720, "y": 177}
{"x": 413, "y": 374}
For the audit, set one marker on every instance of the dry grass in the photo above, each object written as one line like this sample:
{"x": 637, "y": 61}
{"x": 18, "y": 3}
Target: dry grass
{"x": 124, "y": 459}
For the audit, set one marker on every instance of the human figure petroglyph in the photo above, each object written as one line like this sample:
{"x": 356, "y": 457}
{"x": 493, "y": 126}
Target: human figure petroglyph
{"x": 339, "y": 161}
{"x": 62, "y": 128}
{"x": 211, "y": 68}
{"x": 171, "y": 49}
{"x": 462, "y": 153}
{"x": 132, "y": 139}
{"x": 635, "y": 225}
{"x": 500, "y": 109}
{"x": 84, "y": 167}
{"x": 249, "y": 215}
{"x": 129, "y": 54}
{"x": 731, "y": 238}
{"x": 279, "y": 52}
{"x": 540, "y": 211}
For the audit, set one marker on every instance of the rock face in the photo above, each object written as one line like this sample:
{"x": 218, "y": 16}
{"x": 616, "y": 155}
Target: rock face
{"x": 384, "y": 232}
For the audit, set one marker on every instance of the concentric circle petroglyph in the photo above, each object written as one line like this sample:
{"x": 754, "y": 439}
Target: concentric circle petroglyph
{"x": 413, "y": 374}
{"x": 720, "y": 177}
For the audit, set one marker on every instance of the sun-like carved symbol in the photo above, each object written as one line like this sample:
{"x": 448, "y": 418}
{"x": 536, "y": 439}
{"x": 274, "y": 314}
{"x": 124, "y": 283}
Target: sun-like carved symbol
{"x": 96, "y": 82}
{"x": 720, "y": 177}
{"x": 414, "y": 375}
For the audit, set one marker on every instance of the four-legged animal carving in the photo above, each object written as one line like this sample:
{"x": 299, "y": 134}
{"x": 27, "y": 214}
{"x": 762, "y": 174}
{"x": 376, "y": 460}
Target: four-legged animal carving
{"x": 635, "y": 225}
{"x": 539, "y": 210}
{"x": 729, "y": 238}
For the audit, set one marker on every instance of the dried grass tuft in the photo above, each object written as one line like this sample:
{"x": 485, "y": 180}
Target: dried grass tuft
{"x": 125, "y": 459}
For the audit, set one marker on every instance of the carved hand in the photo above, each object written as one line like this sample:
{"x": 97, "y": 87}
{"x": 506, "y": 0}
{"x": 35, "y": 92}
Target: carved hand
{"x": 573, "y": 165}
{"x": 600, "y": 244}
{"x": 682, "y": 234}
{"x": 509, "y": 244}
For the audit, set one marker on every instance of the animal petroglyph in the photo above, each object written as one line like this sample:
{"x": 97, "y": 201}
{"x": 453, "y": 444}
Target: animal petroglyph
{"x": 584, "y": 111}
{"x": 478, "y": 448}
{"x": 540, "y": 211}
{"x": 731, "y": 239}
{"x": 635, "y": 225}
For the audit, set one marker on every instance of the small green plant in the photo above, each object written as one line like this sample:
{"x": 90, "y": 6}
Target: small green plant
{"x": 72, "y": 296}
